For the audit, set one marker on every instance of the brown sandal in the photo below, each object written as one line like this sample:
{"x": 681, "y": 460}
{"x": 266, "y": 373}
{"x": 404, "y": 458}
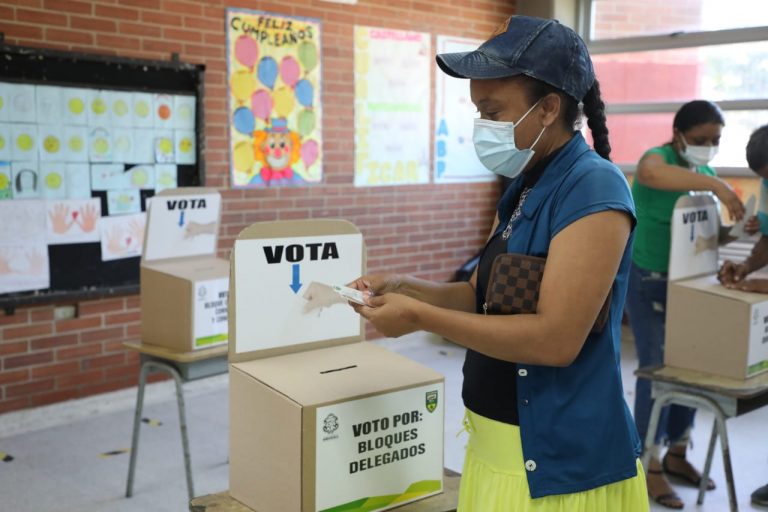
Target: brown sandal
{"x": 668, "y": 500}
{"x": 684, "y": 476}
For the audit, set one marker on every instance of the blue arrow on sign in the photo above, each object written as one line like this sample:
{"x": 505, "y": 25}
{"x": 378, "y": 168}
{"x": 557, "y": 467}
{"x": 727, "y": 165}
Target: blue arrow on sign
{"x": 296, "y": 284}
{"x": 181, "y": 218}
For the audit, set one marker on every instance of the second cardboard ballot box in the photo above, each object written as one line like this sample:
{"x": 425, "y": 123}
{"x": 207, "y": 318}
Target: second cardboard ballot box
{"x": 709, "y": 328}
{"x": 184, "y": 286}
{"x": 319, "y": 419}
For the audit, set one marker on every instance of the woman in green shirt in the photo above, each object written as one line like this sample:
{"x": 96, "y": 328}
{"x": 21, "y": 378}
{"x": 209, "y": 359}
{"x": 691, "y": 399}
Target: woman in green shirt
{"x": 663, "y": 175}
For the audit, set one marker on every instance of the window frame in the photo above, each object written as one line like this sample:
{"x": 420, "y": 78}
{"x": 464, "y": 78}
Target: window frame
{"x": 671, "y": 41}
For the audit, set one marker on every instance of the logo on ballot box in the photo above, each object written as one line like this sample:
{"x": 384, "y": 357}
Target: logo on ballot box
{"x": 330, "y": 425}
{"x": 431, "y": 400}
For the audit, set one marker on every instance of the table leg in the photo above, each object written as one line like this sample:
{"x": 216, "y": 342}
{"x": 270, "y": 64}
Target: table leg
{"x": 183, "y": 427}
{"x": 708, "y": 463}
{"x": 726, "y": 449}
{"x": 145, "y": 367}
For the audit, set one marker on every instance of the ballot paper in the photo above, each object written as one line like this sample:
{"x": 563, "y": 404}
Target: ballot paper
{"x": 749, "y": 211}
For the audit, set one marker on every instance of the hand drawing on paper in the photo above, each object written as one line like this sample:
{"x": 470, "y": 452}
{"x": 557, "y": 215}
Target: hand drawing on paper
{"x": 194, "y": 229}
{"x": 319, "y": 296}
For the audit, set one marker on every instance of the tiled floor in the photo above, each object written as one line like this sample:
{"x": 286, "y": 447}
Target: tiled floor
{"x": 61, "y": 468}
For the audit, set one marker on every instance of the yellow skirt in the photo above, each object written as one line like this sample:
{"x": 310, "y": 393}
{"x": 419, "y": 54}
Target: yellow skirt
{"x": 494, "y": 478}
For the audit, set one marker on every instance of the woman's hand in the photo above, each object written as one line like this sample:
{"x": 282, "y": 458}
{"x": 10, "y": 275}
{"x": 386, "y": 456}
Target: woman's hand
{"x": 378, "y": 284}
{"x": 750, "y": 285}
{"x": 392, "y": 314}
{"x": 752, "y": 225}
{"x": 731, "y": 273}
{"x": 728, "y": 197}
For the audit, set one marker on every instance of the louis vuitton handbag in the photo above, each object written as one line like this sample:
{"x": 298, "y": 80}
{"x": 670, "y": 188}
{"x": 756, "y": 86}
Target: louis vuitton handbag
{"x": 513, "y": 288}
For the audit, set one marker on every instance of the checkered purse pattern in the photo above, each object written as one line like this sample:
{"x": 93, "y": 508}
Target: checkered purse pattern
{"x": 513, "y": 288}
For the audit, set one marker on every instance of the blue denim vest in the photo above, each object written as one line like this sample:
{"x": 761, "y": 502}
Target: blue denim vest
{"x": 576, "y": 429}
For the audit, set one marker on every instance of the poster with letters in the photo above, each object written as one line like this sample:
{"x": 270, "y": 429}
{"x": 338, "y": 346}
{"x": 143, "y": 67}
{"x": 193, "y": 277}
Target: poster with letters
{"x": 392, "y": 102}
{"x": 275, "y": 114}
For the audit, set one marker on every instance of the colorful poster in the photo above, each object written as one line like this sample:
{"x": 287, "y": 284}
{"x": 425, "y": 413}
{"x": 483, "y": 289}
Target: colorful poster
{"x": 21, "y": 102}
{"x": 121, "y": 202}
{"x": 78, "y": 180}
{"x": 455, "y": 157}
{"x": 23, "y": 251}
{"x": 166, "y": 176}
{"x": 75, "y": 103}
{"x": 122, "y": 236}
{"x": 24, "y": 142}
{"x": 4, "y": 101}
{"x": 6, "y": 141}
{"x": 109, "y": 177}
{"x": 26, "y": 181}
{"x": 75, "y": 144}
{"x": 392, "y": 96}
{"x": 53, "y": 184}
{"x": 49, "y": 103}
{"x": 51, "y": 147}
{"x": 142, "y": 110}
{"x": 185, "y": 146}
{"x": 184, "y": 106}
{"x": 5, "y": 181}
{"x": 99, "y": 145}
{"x": 275, "y": 115}
{"x": 72, "y": 221}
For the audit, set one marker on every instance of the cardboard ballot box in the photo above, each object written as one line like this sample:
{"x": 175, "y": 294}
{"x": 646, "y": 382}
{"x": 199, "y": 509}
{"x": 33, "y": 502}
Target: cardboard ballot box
{"x": 709, "y": 328}
{"x": 319, "y": 419}
{"x": 184, "y": 286}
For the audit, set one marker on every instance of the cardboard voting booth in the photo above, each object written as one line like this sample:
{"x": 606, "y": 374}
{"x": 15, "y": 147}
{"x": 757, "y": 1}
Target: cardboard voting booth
{"x": 184, "y": 286}
{"x": 320, "y": 420}
{"x": 709, "y": 328}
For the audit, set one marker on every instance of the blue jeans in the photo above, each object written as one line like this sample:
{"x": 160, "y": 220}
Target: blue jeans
{"x": 646, "y": 307}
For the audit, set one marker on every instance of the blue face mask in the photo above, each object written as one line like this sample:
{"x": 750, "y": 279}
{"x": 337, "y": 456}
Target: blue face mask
{"x": 496, "y": 149}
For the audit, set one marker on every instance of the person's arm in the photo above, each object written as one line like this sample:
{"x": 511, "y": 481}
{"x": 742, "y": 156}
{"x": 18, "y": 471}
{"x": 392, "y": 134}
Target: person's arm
{"x": 731, "y": 273}
{"x": 654, "y": 172}
{"x": 459, "y": 296}
{"x": 581, "y": 266}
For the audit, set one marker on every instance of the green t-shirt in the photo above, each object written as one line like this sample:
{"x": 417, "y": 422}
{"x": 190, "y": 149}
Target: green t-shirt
{"x": 654, "y": 215}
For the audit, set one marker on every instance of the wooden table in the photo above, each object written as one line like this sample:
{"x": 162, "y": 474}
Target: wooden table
{"x": 183, "y": 367}
{"x": 726, "y": 398}
{"x": 445, "y": 502}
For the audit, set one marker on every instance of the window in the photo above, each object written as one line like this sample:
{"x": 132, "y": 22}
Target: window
{"x": 652, "y": 56}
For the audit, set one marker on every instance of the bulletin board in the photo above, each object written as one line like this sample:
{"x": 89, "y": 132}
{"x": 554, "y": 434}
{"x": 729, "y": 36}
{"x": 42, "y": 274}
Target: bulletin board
{"x": 104, "y": 134}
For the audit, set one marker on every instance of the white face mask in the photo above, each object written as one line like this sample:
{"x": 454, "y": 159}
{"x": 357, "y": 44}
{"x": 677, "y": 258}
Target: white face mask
{"x": 698, "y": 155}
{"x": 496, "y": 149}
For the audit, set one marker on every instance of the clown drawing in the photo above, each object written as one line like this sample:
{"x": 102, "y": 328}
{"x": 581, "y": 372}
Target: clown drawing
{"x": 277, "y": 149}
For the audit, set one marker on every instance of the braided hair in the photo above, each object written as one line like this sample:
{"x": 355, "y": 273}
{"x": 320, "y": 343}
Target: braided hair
{"x": 592, "y": 107}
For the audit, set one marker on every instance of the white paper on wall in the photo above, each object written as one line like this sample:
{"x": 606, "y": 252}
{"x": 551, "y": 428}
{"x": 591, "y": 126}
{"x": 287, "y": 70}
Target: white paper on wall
{"x": 24, "y": 140}
{"x": 22, "y": 107}
{"x": 166, "y": 176}
{"x": 51, "y": 143}
{"x": 100, "y": 144}
{"x": 53, "y": 182}
{"x": 26, "y": 180}
{"x": 122, "y": 145}
{"x": 76, "y": 102}
{"x": 6, "y": 141}
{"x": 98, "y": 108}
{"x": 142, "y": 112}
{"x": 4, "y": 101}
{"x": 23, "y": 251}
{"x": 76, "y": 144}
{"x": 6, "y": 191}
{"x": 184, "y": 112}
{"x": 142, "y": 177}
{"x": 122, "y": 236}
{"x": 120, "y": 105}
{"x": 49, "y": 104}
{"x": 78, "y": 178}
{"x": 109, "y": 177}
{"x": 164, "y": 147}
{"x": 71, "y": 221}
{"x": 185, "y": 149}
{"x": 163, "y": 111}
{"x": 143, "y": 146}
{"x": 124, "y": 201}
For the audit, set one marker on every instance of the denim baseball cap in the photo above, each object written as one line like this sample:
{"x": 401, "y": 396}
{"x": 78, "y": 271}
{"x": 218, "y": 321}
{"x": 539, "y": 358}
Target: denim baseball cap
{"x": 540, "y": 48}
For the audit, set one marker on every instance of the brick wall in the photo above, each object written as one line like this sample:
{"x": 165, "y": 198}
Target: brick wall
{"x": 426, "y": 230}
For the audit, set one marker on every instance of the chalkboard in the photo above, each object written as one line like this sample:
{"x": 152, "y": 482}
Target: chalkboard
{"x": 77, "y": 271}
